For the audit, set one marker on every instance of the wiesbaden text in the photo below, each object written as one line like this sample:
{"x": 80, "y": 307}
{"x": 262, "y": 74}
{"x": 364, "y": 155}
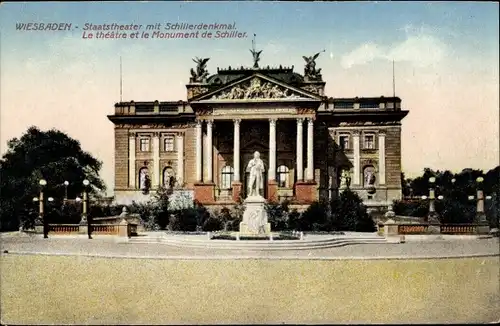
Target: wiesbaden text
{"x": 43, "y": 26}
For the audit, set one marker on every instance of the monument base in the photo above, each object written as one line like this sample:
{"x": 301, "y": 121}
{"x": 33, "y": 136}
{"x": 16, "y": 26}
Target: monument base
{"x": 255, "y": 217}
{"x": 245, "y": 230}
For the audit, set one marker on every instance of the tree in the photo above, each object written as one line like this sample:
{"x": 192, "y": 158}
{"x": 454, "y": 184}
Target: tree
{"x": 455, "y": 207}
{"x": 51, "y": 155}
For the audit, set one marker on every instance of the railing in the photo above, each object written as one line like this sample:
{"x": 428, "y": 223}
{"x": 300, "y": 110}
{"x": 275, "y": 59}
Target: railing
{"x": 458, "y": 229}
{"x": 64, "y": 228}
{"x": 412, "y": 228}
{"x": 98, "y": 229}
{"x": 105, "y": 228}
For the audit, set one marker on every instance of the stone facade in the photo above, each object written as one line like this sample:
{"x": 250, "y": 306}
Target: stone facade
{"x": 305, "y": 139}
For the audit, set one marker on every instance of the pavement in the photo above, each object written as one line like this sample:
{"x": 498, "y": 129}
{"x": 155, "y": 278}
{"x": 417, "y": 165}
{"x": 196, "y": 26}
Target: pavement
{"x": 113, "y": 247}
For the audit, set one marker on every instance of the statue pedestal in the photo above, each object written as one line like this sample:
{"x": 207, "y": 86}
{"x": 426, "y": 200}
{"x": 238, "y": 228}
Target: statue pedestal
{"x": 255, "y": 217}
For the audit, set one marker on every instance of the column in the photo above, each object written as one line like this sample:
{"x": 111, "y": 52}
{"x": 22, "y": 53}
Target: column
{"x": 272, "y": 150}
{"x": 355, "y": 142}
{"x": 131, "y": 160}
{"x": 210, "y": 150}
{"x": 199, "y": 139}
{"x": 180, "y": 159}
{"x": 300, "y": 157}
{"x": 236, "y": 150}
{"x": 310, "y": 149}
{"x": 381, "y": 157}
{"x": 156, "y": 160}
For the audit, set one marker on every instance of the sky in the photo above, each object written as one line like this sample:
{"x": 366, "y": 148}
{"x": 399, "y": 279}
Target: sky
{"x": 446, "y": 59}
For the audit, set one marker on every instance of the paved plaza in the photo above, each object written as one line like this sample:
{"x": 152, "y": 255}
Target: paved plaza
{"x": 74, "y": 280}
{"x": 108, "y": 246}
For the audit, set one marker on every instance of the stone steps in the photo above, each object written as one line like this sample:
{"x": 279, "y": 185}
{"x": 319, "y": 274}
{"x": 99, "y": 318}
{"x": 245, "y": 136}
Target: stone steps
{"x": 306, "y": 244}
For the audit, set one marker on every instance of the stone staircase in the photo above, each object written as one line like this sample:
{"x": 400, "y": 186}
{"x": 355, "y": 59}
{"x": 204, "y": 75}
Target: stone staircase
{"x": 309, "y": 242}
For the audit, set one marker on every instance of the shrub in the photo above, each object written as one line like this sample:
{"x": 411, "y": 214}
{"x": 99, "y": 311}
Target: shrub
{"x": 453, "y": 211}
{"x": 278, "y": 216}
{"x": 293, "y": 220}
{"x": 349, "y": 213}
{"x": 184, "y": 220}
{"x": 315, "y": 218}
{"x": 419, "y": 208}
{"x": 230, "y": 219}
{"x": 212, "y": 224}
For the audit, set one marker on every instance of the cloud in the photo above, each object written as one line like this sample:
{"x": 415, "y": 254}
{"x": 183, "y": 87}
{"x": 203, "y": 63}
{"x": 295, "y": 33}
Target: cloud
{"x": 420, "y": 48}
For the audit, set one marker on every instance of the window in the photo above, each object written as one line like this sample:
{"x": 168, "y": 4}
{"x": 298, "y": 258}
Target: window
{"x": 344, "y": 142}
{"x": 369, "y": 142}
{"x": 168, "y": 144}
{"x": 227, "y": 174}
{"x": 282, "y": 176}
{"x": 144, "y": 144}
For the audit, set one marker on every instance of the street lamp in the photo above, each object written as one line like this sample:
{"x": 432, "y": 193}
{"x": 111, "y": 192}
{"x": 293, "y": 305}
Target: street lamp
{"x": 480, "y": 215}
{"x": 433, "y": 217}
{"x": 66, "y": 184}
{"x": 41, "y": 218}
{"x": 85, "y": 195}
{"x": 85, "y": 220}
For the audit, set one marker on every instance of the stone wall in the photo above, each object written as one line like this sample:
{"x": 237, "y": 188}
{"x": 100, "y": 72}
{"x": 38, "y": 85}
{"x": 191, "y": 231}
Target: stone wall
{"x": 121, "y": 158}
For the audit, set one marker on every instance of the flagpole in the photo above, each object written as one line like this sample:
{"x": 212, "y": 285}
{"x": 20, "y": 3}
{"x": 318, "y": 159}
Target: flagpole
{"x": 393, "y": 81}
{"x": 121, "y": 80}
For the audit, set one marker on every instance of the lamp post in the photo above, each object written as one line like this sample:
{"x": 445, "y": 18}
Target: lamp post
{"x": 85, "y": 221}
{"x": 41, "y": 219}
{"x": 66, "y": 184}
{"x": 85, "y": 195}
{"x": 45, "y": 219}
{"x": 480, "y": 215}
{"x": 432, "y": 217}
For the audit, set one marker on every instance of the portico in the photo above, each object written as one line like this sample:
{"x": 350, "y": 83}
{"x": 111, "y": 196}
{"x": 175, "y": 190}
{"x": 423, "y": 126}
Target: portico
{"x": 205, "y": 188}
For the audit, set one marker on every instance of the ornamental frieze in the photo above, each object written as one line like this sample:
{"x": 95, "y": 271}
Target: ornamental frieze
{"x": 305, "y": 111}
{"x": 253, "y": 112}
{"x": 204, "y": 111}
{"x": 195, "y": 91}
{"x": 256, "y": 89}
{"x": 368, "y": 123}
{"x": 312, "y": 88}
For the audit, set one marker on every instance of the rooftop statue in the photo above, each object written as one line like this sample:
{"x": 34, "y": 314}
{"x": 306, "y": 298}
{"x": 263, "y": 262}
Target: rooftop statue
{"x": 310, "y": 71}
{"x": 256, "y": 57}
{"x": 201, "y": 73}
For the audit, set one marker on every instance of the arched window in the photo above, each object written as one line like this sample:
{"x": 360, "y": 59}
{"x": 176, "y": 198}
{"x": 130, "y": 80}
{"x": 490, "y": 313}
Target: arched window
{"x": 168, "y": 177}
{"x": 144, "y": 178}
{"x": 227, "y": 175}
{"x": 282, "y": 174}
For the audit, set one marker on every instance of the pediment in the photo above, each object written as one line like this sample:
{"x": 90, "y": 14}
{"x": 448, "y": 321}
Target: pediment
{"x": 257, "y": 87}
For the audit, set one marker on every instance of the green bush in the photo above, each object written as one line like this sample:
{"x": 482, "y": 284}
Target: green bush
{"x": 184, "y": 220}
{"x": 418, "y": 208}
{"x": 315, "y": 218}
{"x": 278, "y": 216}
{"x": 212, "y": 224}
{"x": 230, "y": 219}
{"x": 453, "y": 211}
{"x": 349, "y": 214}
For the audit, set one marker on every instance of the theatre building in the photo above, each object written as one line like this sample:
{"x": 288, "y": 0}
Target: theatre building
{"x": 313, "y": 146}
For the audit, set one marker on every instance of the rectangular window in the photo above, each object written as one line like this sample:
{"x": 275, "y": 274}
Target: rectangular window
{"x": 344, "y": 142}
{"x": 369, "y": 142}
{"x": 144, "y": 144}
{"x": 168, "y": 144}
